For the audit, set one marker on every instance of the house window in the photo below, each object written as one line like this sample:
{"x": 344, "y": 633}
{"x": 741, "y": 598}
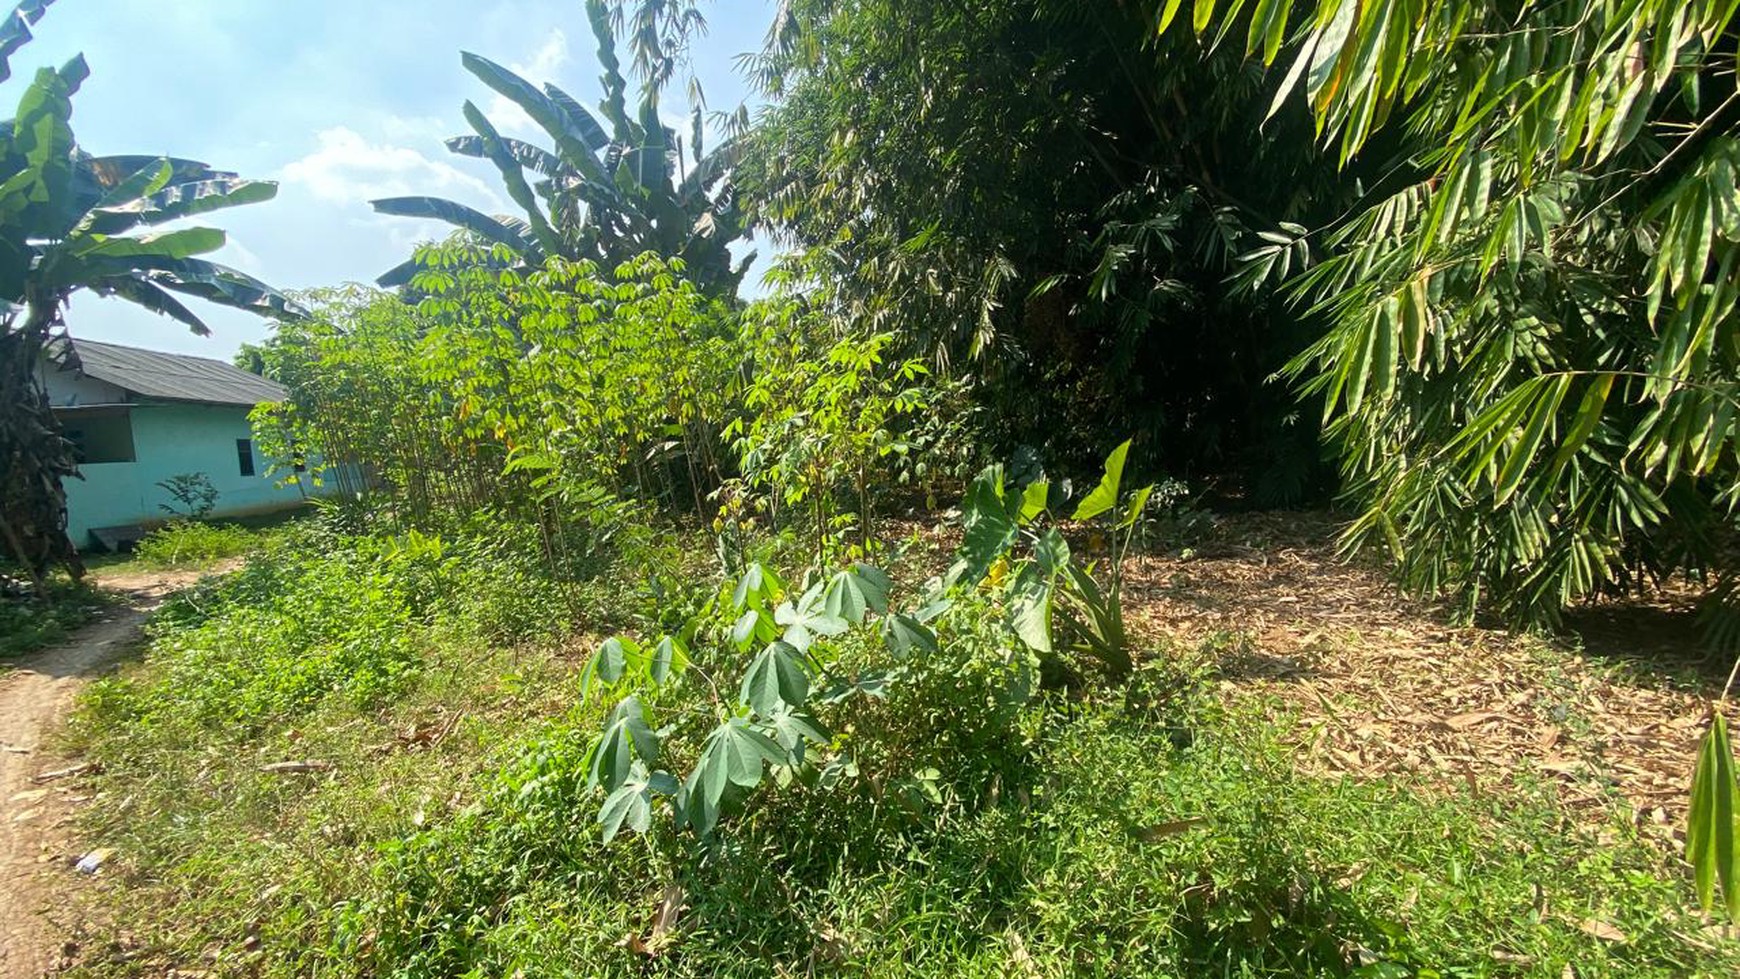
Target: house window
{"x": 245, "y": 455}
{"x": 100, "y": 436}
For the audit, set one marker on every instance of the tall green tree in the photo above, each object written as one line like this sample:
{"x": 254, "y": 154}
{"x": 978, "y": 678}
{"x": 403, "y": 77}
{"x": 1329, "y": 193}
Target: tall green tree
{"x": 1050, "y": 198}
{"x": 1533, "y": 363}
{"x": 612, "y": 185}
{"x": 65, "y": 218}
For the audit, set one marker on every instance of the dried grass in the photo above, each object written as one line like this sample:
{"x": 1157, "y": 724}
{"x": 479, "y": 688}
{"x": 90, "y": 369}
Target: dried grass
{"x": 1382, "y": 685}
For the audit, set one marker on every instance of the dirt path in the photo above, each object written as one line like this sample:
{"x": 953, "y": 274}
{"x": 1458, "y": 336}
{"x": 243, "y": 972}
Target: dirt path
{"x": 35, "y": 693}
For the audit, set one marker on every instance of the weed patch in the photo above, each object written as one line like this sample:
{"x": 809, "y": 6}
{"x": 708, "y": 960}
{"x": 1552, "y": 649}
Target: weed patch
{"x": 192, "y": 544}
{"x": 1160, "y": 833}
{"x": 29, "y": 623}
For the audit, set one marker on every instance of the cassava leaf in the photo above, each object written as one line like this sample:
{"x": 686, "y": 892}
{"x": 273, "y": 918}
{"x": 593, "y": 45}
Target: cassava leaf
{"x": 775, "y": 677}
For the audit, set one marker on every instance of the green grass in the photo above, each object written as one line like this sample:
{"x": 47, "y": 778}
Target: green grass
{"x": 27, "y": 625}
{"x": 192, "y": 544}
{"x": 1147, "y": 832}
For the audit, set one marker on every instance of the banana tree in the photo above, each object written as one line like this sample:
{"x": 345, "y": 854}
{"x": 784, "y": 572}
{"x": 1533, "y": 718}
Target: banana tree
{"x": 65, "y": 218}
{"x": 610, "y": 189}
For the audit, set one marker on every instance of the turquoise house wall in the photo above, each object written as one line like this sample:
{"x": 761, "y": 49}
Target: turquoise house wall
{"x": 171, "y": 438}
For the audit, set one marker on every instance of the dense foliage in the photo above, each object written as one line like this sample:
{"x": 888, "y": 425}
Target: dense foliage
{"x": 1529, "y": 372}
{"x": 528, "y": 701}
{"x": 605, "y": 381}
{"x": 1046, "y": 199}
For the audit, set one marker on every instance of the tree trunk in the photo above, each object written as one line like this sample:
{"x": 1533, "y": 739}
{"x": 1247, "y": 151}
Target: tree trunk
{"x": 34, "y": 455}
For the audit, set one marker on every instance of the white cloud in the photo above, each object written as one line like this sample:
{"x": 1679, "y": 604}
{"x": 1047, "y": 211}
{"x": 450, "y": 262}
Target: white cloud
{"x": 541, "y": 67}
{"x": 242, "y": 257}
{"x": 348, "y": 169}
{"x": 415, "y": 128}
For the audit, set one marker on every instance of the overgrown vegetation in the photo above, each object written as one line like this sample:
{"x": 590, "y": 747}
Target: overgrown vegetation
{"x": 633, "y": 641}
{"x": 339, "y": 763}
{"x": 190, "y": 543}
{"x": 30, "y": 620}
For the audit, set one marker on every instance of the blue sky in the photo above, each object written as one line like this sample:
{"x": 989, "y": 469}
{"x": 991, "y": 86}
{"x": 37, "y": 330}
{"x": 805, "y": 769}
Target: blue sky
{"x": 339, "y": 102}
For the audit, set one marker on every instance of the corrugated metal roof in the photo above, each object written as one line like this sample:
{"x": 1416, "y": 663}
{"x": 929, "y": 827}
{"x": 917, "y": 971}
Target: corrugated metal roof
{"x": 173, "y": 377}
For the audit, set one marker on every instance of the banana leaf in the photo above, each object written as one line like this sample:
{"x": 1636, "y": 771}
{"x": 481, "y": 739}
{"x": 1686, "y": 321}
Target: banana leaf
{"x": 571, "y": 142}
{"x": 144, "y": 293}
{"x": 532, "y": 157}
{"x": 461, "y": 216}
{"x": 582, "y": 121}
{"x": 514, "y": 176}
{"x": 182, "y": 200}
{"x": 15, "y": 31}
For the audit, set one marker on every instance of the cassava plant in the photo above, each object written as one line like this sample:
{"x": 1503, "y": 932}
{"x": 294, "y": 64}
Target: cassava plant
{"x": 823, "y": 420}
{"x": 767, "y": 722}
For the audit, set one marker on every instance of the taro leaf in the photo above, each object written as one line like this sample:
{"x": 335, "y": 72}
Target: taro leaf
{"x": 1033, "y": 500}
{"x": 991, "y": 527}
{"x": 904, "y": 633}
{"x": 808, "y": 617}
{"x": 1105, "y": 495}
{"x": 794, "y": 729}
{"x": 1138, "y": 502}
{"x": 1051, "y": 551}
{"x": 775, "y": 677}
{"x": 626, "y": 734}
{"x": 669, "y": 658}
{"x": 1030, "y": 601}
{"x": 856, "y": 590}
{"x": 1711, "y": 827}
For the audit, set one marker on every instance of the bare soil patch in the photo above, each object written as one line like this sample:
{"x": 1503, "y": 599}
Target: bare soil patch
{"x": 38, "y": 796}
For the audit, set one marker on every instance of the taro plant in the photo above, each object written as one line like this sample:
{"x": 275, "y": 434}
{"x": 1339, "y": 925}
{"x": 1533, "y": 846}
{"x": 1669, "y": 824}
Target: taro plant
{"x": 767, "y": 722}
{"x": 1011, "y": 543}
